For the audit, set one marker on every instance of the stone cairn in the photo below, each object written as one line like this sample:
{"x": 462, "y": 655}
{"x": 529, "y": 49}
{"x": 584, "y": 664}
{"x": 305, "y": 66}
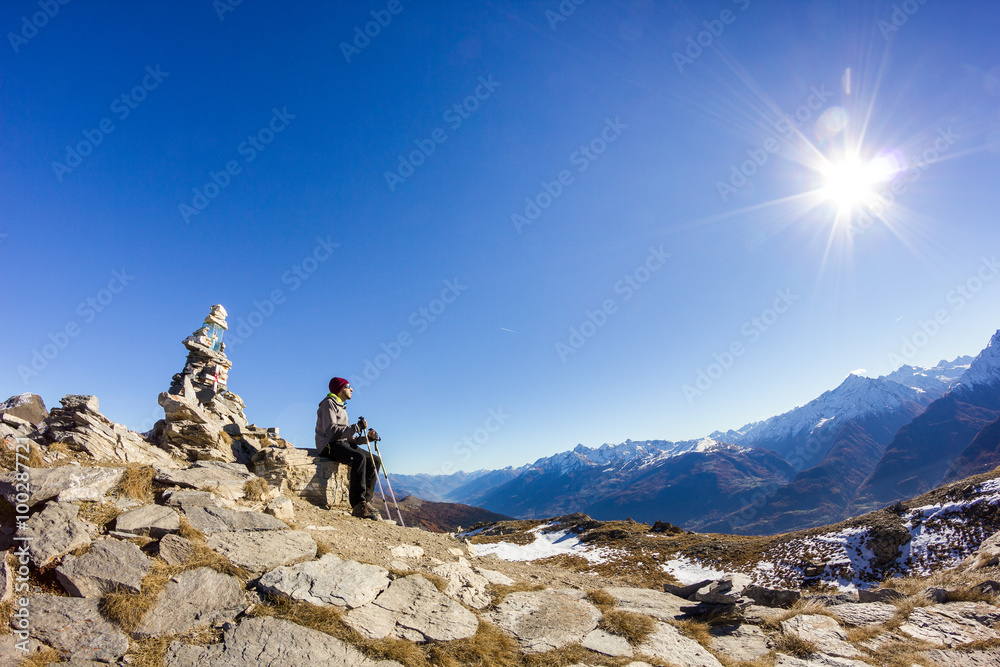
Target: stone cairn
{"x": 203, "y": 419}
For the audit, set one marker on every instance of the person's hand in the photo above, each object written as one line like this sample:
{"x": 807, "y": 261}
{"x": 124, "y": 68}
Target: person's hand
{"x": 372, "y": 435}
{"x": 362, "y": 424}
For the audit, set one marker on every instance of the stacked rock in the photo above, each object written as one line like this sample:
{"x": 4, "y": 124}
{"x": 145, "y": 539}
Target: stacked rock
{"x": 204, "y": 420}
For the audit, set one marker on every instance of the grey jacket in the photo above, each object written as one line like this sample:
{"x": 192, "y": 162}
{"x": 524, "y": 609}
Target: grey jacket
{"x": 332, "y": 424}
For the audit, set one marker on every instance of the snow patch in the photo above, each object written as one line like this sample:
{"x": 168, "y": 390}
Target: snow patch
{"x": 688, "y": 572}
{"x": 553, "y": 543}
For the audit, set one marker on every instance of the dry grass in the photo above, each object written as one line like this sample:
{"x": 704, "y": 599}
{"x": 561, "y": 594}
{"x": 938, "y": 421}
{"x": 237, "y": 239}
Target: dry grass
{"x": 971, "y": 595}
{"x": 136, "y": 483}
{"x": 6, "y": 613}
{"x": 862, "y": 633}
{"x": 255, "y": 490}
{"x": 904, "y": 608}
{"x": 187, "y": 531}
{"x": 9, "y": 459}
{"x": 150, "y": 651}
{"x": 98, "y": 513}
{"x": 322, "y": 549}
{"x": 633, "y": 627}
{"x": 794, "y": 645}
{"x": 602, "y": 599}
{"x": 44, "y": 657}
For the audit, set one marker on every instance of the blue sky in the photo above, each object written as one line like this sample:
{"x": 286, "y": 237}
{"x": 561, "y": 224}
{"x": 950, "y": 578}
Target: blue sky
{"x": 560, "y": 213}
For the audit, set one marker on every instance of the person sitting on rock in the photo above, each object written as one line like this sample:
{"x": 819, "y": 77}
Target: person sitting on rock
{"x": 337, "y": 439}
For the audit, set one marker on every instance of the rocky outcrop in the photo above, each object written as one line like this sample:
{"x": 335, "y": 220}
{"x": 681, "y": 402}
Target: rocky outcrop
{"x": 953, "y": 624}
{"x": 263, "y": 550}
{"x": 54, "y": 532}
{"x": 327, "y": 581}
{"x": 65, "y": 484}
{"x": 79, "y": 425}
{"x": 226, "y": 480}
{"x": 74, "y": 627}
{"x": 26, "y": 408}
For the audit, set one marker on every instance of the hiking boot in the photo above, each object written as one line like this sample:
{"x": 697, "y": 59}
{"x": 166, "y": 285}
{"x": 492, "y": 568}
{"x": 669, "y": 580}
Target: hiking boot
{"x": 360, "y": 510}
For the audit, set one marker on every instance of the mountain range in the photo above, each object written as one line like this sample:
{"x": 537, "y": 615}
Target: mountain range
{"x": 862, "y": 445}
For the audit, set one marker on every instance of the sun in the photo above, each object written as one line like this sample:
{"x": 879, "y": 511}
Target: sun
{"x": 850, "y": 182}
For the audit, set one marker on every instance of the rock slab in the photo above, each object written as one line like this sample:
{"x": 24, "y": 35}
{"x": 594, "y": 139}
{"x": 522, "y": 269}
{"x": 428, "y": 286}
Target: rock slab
{"x": 109, "y": 565}
{"x": 953, "y": 624}
{"x": 55, "y": 531}
{"x": 545, "y": 620}
{"x": 271, "y": 642}
{"x": 152, "y": 520}
{"x": 327, "y": 581}
{"x": 822, "y": 631}
{"x": 264, "y": 550}
{"x": 668, "y": 643}
{"x": 74, "y": 627}
{"x": 191, "y": 599}
{"x": 412, "y": 608}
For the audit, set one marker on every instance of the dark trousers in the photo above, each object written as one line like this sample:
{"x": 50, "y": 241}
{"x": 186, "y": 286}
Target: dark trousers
{"x": 363, "y": 474}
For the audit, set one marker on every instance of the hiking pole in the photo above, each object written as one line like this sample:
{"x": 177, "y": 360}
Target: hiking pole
{"x": 381, "y": 492}
{"x": 391, "y": 492}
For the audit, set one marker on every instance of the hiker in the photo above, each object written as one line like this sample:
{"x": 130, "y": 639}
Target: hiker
{"x": 337, "y": 439}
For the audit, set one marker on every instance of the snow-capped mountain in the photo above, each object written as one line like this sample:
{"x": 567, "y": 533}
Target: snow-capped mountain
{"x": 985, "y": 368}
{"x": 857, "y": 397}
{"x": 614, "y": 455}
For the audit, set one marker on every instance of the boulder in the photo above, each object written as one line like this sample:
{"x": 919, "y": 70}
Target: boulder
{"x": 857, "y": 613}
{"x": 465, "y": 584}
{"x": 663, "y": 606}
{"x": 80, "y": 426}
{"x": 545, "y": 620}
{"x": 822, "y": 631}
{"x": 109, "y": 565}
{"x": 494, "y": 577}
{"x": 303, "y": 474}
{"x": 27, "y": 407}
{"x": 185, "y": 499}
{"x": 987, "y": 555}
{"x": 152, "y": 520}
{"x": 953, "y": 624}
{"x": 407, "y": 551}
{"x": 264, "y": 550}
{"x": 74, "y": 627}
{"x": 281, "y": 508}
{"x": 727, "y": 590}
{"x": 209, "y": 520}
{"x": 741, "y": 643}
{"x": 224, "y": 479}
{"x": 327, "y": 581}
{"x": 668, "y": 643}
{"x": 604, "y": 642}
{"x": 772, "y": 597}
{"x": 194, "y": 598}
{"x": 412, "y": 608}
{"x": 271, "y": 642}
{"x": 880, "y": 595}
{"x": 686, "y": 592}
{"x": 936, "y": 595}
{"x": 175, "y": 549}
{"x": 54, "y": 532}
{"x": 65, "y": 484}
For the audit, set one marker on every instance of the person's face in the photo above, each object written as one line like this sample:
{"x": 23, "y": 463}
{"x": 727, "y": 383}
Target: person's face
{"x": 347, "y": 392}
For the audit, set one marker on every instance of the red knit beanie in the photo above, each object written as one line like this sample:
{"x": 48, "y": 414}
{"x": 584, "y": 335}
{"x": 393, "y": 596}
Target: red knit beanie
{"x": 337, "y": 385}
